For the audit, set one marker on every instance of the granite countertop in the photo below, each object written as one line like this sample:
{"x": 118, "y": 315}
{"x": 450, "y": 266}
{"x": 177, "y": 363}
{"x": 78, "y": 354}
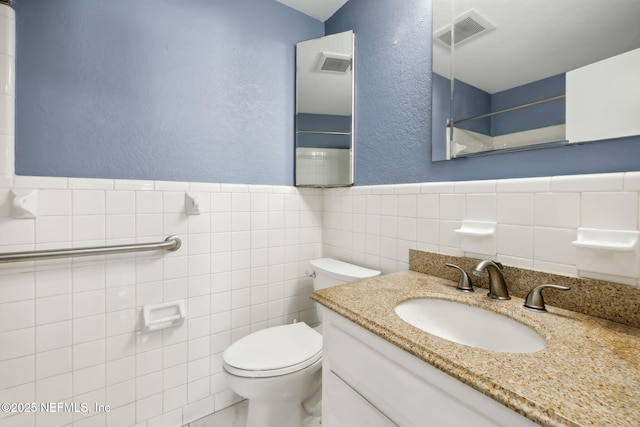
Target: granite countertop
{"x": 588, "y": 375}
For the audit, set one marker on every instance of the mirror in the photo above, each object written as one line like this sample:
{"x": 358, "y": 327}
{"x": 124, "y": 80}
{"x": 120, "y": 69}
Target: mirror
{"x": 324, "y": 111}
{"x": 533, "y": 74}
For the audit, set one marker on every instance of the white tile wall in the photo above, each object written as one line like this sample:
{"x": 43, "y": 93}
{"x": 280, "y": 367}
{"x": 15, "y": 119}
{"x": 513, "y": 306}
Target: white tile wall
{"x": 70, "y": 329}
{"x": 537, "y": 219}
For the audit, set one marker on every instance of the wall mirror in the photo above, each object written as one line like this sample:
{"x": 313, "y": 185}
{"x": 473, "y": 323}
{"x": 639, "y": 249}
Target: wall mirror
{"x": 532, "y": 74}
{"x": 324, "y": 111}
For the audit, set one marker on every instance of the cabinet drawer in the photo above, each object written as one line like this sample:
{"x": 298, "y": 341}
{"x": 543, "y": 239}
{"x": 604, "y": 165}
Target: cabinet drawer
{"x": 348, "y": 408}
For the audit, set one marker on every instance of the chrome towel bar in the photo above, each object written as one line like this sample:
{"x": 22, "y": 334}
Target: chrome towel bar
{"x": 517, "y": 107}
{"x": 322, "y": 132}
{"x": 171, "y": 243}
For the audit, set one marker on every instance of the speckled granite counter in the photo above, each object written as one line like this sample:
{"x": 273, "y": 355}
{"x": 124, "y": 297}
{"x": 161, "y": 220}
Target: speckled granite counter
{"x": 588, "y": 375}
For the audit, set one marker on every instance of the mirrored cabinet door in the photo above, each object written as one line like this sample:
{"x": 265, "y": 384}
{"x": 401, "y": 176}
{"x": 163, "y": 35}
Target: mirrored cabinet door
{"x": 324, "y": 111}
{"x": 518, "y": 75}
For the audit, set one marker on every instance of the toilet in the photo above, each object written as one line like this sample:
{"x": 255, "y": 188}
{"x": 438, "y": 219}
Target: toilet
{"x": 278, "y": 369}
{"x": 328, "y": 272}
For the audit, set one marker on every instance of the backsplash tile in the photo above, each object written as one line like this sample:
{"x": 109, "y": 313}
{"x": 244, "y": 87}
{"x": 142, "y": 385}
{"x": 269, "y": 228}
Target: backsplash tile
{"x": 515, "y": 240}
{"x": 7, "y": 114}
{"x": 6, "y": 156}
{"x": 610, "y": 211}
{"x": 128, "y": 184}
{"x": 557, "y": 209}
{"x": 452, "y": 206}
{"x": 632, "y": 181}
{"x": 524, "y": 185}
{"x": 40, "y": 182}
{"x": 7, "y": 74}
{"x": 7, "y": 33}
{"x": 90, "y": 184}
{"x": 588, "y": 182}
{"x": 435, "y": 187}
{"x": 467, "y": 187}
{"x": 515, "y": 208}
{"x": 537, "y": 219}
{"x": 480, "y": 207}
{"x": 606, "y": 300}
{"x": 406, "y": 188}
{"x": 554, "y": 245}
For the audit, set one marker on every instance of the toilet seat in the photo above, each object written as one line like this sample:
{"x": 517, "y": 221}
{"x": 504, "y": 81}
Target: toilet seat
{"x": 274, "y": 351}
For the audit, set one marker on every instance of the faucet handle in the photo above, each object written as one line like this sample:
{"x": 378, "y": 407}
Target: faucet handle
{"x": 534, "y": 300}
{"x": 464, "y": 284}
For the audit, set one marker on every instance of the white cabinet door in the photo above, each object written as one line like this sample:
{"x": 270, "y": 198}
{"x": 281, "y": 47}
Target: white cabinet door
{"x": 348, "y": 408}
{"x": 402, "y": 389}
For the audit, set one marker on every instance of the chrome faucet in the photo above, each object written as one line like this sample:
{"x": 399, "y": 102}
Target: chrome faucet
{"x": 497, "y": 285}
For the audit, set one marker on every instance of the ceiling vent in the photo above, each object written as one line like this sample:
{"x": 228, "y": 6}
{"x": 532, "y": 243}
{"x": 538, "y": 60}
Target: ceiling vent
{"x": 467, "y": 26}
{"x": 334, "y": 63}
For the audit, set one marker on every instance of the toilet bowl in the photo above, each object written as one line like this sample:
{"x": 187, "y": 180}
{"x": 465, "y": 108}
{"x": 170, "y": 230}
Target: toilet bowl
{"x": 278, "y": 369}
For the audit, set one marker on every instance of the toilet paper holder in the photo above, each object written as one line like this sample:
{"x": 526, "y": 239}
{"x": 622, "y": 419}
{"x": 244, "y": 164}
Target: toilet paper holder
{"x": 162, "y": 316}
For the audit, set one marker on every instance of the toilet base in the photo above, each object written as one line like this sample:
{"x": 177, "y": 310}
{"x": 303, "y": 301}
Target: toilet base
{"x": 269, "y": 414}
{"x": 278, "y": 401}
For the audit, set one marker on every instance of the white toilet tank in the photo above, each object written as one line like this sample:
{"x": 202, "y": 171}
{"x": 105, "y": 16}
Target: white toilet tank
{"x": 331, "y": 272}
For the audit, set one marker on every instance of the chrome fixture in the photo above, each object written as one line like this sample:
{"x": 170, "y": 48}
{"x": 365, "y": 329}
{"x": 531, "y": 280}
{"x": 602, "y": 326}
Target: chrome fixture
{"x": 497, "y": 285}
{"x": 534, "y": 300}
{"x": 311, "y": 275}
{"x": 464, "y": 284}
{"x": 171, "y": 243}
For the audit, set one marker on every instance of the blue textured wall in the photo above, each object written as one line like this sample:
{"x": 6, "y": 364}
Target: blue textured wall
{"x": 392, "y": 87}
{"x": 393, "y": 108}
{"x": 189, "y": 90}
{"x": 203, "y": 90}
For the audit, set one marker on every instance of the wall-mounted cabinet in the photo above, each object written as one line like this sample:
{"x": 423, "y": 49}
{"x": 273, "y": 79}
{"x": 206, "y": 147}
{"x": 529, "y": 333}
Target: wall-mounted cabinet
{"x": 324, "y": 111}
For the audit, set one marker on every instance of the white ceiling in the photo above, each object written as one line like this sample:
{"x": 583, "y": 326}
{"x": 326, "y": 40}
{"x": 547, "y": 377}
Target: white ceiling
{"x": 319, "y": 9}
{"x": 535, "y": 39}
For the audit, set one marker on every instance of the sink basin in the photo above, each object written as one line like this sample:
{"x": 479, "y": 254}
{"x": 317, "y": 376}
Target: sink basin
{"x": 468, "y": 325}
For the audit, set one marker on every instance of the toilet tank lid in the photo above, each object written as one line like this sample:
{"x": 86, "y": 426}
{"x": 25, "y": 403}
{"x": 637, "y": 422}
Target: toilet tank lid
{"x": 342, "y": 270}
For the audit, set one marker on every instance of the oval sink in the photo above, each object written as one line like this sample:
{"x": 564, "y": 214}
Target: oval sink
{"x": 468, "y": 325}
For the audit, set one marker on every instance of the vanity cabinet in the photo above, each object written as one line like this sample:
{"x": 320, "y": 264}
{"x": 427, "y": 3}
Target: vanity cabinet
{"x": 369, "y": 382}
